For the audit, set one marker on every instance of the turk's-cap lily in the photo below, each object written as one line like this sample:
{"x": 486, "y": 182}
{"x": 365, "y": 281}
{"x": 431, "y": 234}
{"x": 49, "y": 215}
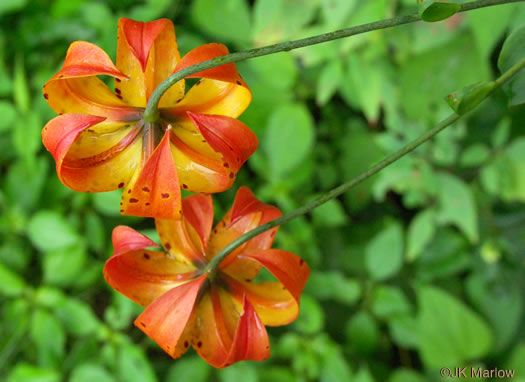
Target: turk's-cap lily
{"x": 101, "y": 142}
{"x": 221, "y": 313}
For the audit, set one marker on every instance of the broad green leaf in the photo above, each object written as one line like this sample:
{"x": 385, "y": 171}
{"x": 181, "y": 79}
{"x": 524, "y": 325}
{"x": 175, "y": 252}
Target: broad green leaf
{"x": 7, "y": 115}
{"x": 433, "y": 10}
{"x": 468, "y": 98}
{"x": 420, "y": 232}
{"x": 335, "y": 367}
{"x": 11, "y": 285}
{"x": 516, "y": 362}
{"x": 457, "y": 206}
{"x": 90, "y": 373}
{"x": 133, "y": 366}
{"x": 329, "y": 81}
{"x": 384, "y": 253}
{"x": 21, "y": 92}
{"x": 362, "y": 332}
{"x": 388, "y": 302}
{"x": 49, "y": 231}
{"x": 77, "y": 316}
{"x": 501, "y": 133}
{"x": 26, "y": 135}
{"x": 335, "y": 13}
{"x": 63, "y": 266}
{"x": 49, "y": 337}
{"x": 275, "y": 373}
{"x": 24, "y": 372}
{"x": 94, "y": 228}
{"x": 193, "y": 369}
{"x": 107, "y": 203}
{"x": 228, "y": 19}
{"x": 512, "y": 52}
{"x": 450, "y": 332}
{"x": 64, "y": 8}
{"x": 330, "y": 214}
{"x": 333, "y": 285}
{"x": 25, "y": 182}
{"x": 475, "y": 155}
{"x": 363, "y": 375}
{"x": 289, "y": 137}
{"x": 311, "y": 316}
{"x": 501, "y": 303}
{"x": 402, "y": 330}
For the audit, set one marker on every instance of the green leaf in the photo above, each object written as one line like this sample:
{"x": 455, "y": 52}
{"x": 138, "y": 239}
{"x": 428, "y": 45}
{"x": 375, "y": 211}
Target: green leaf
{"x": 457, "y": 206}
{"x": 335, "y": 367}
{"x": 402, "y": 330}
{"x": 330, "y": 214}
{"x": 107, "y": 203}
{"x": 227, "y": 20}
{"x": 49, "y": 337}
{"x": 133, "y": 366}
{"x": 388, "y": 302}
{"x": 450, "y": 333}
{"x": 48, "y": 231}
{"x": 25, "y": 182}
{"x": 21, "y": 92}
{"x": 328, "y": 82}
{"x": 24, "y": 372}
{"x": 501, "y": 133}
{"x": 335, "y": 13}
{"x": 420, "y": 232}
{"x": 512, "y": 52}
{"x": 275, "y": 373}
{"x": 384, "y": 253}
{"x": 433, "y": 10}
{"x": 7, "y": 115}
{"x": 27, "y": 136}
{"x": 516, "y": 362}
{"x": 362, "y": 332}
{"x": 502, "y": 304}
{"x": 90, "y": 373}
{"x": 475, "y": 155}
{"x": 289, "y": 137}
{"x": 63, "y": 266}
{"x": 12, "y": 285}
{"x": 238, "y": 372}
{"x": 311, "y": 316}
{"x": 468, "y": 98}
{"x": 333, "y": 285}
{"x": 193, "y": 369}
{"x": 77, "y": 316}
{"x": 406, "y": 375}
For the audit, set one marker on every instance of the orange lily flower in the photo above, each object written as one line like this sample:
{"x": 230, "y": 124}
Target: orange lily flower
{"x": 222, "y": 315}
{"x": 100, "y": 141}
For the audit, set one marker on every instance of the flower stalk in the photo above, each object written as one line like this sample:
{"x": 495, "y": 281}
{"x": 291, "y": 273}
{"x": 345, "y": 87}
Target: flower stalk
{"x": 151, "y": 111}
{"x": 334, "y": 193}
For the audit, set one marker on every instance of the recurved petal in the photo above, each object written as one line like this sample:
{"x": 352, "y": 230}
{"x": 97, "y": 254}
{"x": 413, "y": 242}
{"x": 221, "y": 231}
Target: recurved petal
{"x": 92, "y": 154}
{"x": 220, "y": 91}
{"x": 168, "y": 319}
{"x": 154, "y": 190}
{"x": 147, "y": 53}
{"x": 246, "y": 214}
{"x": 77, "y": 89}
{"x": 198, "y": 212}
{"x": 126, "y": 239}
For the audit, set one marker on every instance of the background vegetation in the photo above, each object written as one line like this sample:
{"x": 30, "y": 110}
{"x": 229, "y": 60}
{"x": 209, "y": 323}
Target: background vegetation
{"x": 419, "y": 268}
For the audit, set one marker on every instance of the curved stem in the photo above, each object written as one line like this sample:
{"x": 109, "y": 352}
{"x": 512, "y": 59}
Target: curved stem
{"x": 214, "y": 263}
{"x": 151, "y": 111}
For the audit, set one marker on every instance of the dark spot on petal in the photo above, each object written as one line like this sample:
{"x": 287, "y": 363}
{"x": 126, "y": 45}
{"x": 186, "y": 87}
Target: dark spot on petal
{"x": 248, "y": 280}
{"x": 120, "y": 185}
{"x": 129, "y": 191}
{"x": 267, "y": 346}
{"x": 215, "y": 230}
{"x": 46, "y": 96}
{"x": 184, "y": 186}
{"x": 145, "y": 189}
{"x": 239, "y": 82}
{"x": 117, "y": 79}
{"x": 119, "y": 96}
{"x": 167, "y": 246}
{"x": 198, "y": 82}
{"x": 165, "y": 195}
{"x": 301, "y": 262}
{"x": 204, "y": 141}
{"x": 146, "y": 256}
{"x": 178, "y": 101}
{"x": 117, "y": 90}
{"x": 186, "y": 344}
{"x": 231, "y": 175}
{"x": 147, "y": 204}
{"x": 199, "y": 344}
{"x": 133, "y": 200}
{"x": 226, "y": 364}
{"x": 61, "y": 76}
{"x": 121, "y": 210}
{"x": 143, "y": 324}
{"x": 226, "y": 165}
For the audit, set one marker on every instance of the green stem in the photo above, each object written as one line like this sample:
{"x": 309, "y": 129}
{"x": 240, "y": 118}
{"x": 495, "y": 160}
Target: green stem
{"x": 151, "y": 111}
{"x": 334, "y": 193}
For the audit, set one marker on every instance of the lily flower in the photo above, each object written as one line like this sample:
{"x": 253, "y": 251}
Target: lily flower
{"x": 101, "y": 142}
{"x": 221, "y": 313}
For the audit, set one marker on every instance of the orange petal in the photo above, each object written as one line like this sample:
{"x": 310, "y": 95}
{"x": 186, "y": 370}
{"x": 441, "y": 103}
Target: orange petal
{"x": 154, "y": 191}
{"x": 272, "y": 302}
{"x": 166, "y": 319}
{"x": 291, "y": 271}
{"x": 76, "y": 88}
{"x": 246, "y": 214}
{"x": 228, "y": 136}
{"x": 221, "y": 91}
{"x": 92, "y": 154}
{"x": 198, "y": 212}
{"x": 251, "y": 339}
{"x": 148, "y": 54}
{"x": 126, "y": 239}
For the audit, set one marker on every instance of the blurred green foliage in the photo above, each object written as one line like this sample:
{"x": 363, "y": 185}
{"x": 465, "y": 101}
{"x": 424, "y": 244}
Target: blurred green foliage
{"x": 420, "y": 267}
